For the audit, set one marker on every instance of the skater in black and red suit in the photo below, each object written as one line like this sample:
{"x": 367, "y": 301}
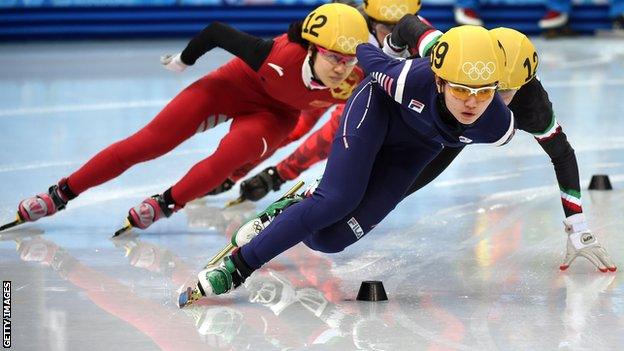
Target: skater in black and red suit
{"x": 263, "y": 91}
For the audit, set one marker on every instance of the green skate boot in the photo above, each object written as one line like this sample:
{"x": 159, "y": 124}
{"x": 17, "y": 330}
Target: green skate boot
{"x": 217, "y": 279}
{"x": 256, "y": 225}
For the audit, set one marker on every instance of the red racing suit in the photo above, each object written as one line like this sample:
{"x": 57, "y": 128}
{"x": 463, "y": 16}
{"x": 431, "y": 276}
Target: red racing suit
{"x": 262, "y": 91}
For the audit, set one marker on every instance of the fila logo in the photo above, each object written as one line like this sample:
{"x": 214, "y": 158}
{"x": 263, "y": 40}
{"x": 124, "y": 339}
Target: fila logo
{"x": 465, "y": 140}
{"x": 416, "y": 105}
{"x": 278, "y": 69}
{"x": 355, "y": 227}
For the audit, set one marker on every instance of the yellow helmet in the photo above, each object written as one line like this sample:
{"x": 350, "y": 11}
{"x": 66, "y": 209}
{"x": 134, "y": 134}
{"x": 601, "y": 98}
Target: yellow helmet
{"x": 336, "y": 27}
{"x": 522, "y": 58}
{"x": 468, "y": 55}
{"x": 390, "y": 11}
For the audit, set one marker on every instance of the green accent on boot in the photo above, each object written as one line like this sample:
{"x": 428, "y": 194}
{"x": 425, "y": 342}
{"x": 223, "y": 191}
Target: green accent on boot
{"x": 229, "y": 264}
{"x": 221, "y": 277}
{"x": 278, "y": 206}
{"x": 269, "y": 213}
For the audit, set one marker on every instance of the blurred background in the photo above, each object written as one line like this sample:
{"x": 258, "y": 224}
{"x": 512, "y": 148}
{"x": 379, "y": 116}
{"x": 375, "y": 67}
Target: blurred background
{"x": 469, "y": 263}
{"x": 86, "y": 19}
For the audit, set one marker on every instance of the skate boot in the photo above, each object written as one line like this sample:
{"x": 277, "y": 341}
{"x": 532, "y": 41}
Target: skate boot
{"x": 46, "y": 204}
{"x": 227, "y": 276}
{"x": 254, "y": 226}
{"x": 151, "y": 210}
{"x": 218, "y": 279}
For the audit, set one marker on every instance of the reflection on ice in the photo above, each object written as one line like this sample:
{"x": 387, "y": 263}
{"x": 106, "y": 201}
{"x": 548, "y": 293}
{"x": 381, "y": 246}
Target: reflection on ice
{"x": 469, "y": 263}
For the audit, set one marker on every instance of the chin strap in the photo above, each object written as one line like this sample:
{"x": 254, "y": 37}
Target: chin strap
{"x": 308, "y": 76}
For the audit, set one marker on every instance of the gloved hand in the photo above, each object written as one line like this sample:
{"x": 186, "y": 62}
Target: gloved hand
{"x": 256, "y": 187}
{"x": 413, "y": 33}
{"x": 582, "y": 242}
{"x": 394, "y": 51}
{"x": 173, "y": 62}
{"x": 408, "y": 31}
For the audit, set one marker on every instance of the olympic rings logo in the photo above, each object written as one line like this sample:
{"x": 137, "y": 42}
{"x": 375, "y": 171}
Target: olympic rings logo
{"x": 393, "y": 12}
{"x": 479, "y": 70}
{"x": 257, "y": 226}
{"x": 347, "y": 45}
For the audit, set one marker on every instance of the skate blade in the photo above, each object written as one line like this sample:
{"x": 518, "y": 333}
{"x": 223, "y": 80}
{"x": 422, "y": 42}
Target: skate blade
{"x": 234, "y": 202}
{"x": 18, "y": 220}
{"x": 127, "y": 226}
{"x": 292, "y": 190}
{"x": 189, "y": 296}
{"x": 219, "y": 256}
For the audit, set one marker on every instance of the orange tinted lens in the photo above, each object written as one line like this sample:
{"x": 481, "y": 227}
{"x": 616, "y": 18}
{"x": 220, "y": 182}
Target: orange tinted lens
{"x": 485, "y": 94}
{"x": 459, "y": 92}
{"x": 463, "y": 93}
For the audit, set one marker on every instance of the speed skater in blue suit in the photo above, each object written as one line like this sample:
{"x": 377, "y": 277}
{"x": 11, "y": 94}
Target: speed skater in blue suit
{"x": 396, "y": 121}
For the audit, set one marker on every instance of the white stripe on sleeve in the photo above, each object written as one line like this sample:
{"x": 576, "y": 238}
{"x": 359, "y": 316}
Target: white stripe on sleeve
{"x": 398, "y": 94}
{"x": 509, "y": 134}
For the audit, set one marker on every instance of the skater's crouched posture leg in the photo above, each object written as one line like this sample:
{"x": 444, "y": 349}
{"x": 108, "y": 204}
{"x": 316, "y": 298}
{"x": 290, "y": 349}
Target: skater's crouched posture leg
{"x": 393, "y": 173}
{"x": 177, "y": 122}
{"x": 342, "y": 186}
{"x": 344, "y": 183}
{"x": 249, "y": 138}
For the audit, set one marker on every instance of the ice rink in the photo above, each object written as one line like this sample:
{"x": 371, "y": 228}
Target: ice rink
{"x": 469, "y": 262}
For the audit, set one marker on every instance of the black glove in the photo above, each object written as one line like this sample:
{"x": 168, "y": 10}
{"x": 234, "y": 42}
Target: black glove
{"x": 256, "y": 187}
{"x": 407, "y": 32}
{"x": 225, "y": 186}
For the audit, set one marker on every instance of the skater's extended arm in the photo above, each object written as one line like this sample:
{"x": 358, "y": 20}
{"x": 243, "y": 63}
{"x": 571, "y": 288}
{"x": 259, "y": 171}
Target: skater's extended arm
{"x": 249, "y": 48}
{"x": 394, "y": 76}
{"x": 415, "y": 33}
{"x": 534, "y": 114}
{"x": 566, "y": 170}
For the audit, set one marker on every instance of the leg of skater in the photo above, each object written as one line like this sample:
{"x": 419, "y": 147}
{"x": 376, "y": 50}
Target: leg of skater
{"x": 392, "y": 175}
{"x": 342, "y": 187}
{"x": 249, "y": 138}
{"x": 178, "y": 121}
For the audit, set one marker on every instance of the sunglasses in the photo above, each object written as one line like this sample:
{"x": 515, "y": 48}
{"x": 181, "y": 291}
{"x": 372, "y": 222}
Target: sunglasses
{"x": 463, "y": 92}
{"x": 336, "y": 58}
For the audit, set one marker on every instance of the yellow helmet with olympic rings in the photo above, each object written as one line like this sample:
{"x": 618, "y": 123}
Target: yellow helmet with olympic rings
{"x": 336, "y": 27}
{"x": 390, "y": 11}
{"x": 469, "y": 55}
{"x": 522, "y": 58}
